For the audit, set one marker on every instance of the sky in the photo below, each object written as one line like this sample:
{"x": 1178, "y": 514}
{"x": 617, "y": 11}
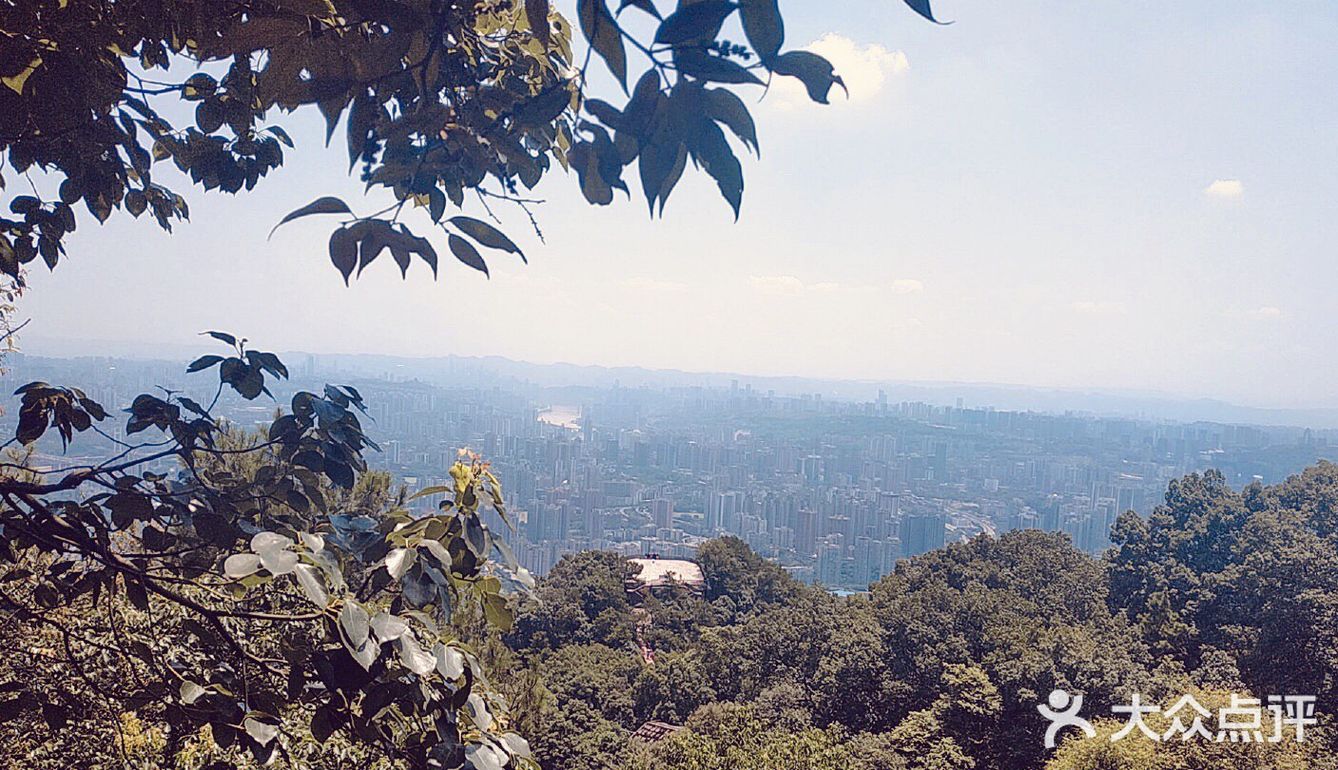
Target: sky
{"x": 1106, "y": 195}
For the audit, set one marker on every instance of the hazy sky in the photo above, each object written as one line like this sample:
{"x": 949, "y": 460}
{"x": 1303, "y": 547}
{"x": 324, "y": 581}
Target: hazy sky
{"x": 1124, "y": 195}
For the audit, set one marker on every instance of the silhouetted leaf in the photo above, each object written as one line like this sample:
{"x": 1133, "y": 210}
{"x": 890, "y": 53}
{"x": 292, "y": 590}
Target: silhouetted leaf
{"x": 424, "y": 250}
{"x": 374, "y": 236}
{"x": 725, "y": 106}
{"x": 711, "y": 151}
{"x": 704, "y": 66}
{"x": 324, "y": 205}
{"x": 694, "y": 22}
{"x": 344, "y": 252}
{"x": 361, "y": 119}
{"x": 645, "y": 5}
{"x": 486, "y": 235}
{"x": 602, "y": 32}
{"x": 466, "y": 253}
{"x": 203, "y": 362}
{"x": 605, "y": 112}
{"x": 763, "y": 25}
{"x": 922, "y": 7}
{"x": 138, "y": 596}
{"x": 815, "y": 72}
{"x": 536, "y": 12}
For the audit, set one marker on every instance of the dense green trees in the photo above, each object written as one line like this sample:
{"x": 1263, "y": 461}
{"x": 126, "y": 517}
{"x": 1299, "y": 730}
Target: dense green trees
{"x": 942, "y": 666}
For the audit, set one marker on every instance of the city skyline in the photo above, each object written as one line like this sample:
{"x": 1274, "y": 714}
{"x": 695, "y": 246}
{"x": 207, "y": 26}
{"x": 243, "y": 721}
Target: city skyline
{"x": 837, "y": 491}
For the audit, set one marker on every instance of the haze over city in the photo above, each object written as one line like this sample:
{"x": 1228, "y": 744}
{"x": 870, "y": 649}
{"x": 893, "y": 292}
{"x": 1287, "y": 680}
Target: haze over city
{"x": 1121, "y": 196}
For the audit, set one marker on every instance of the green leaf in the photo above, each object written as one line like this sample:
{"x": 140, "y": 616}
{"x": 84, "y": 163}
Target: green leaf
{"x": 466, "y": 253}
{"x": 815, "y": 72}
{"x": 602, "y": 32}
{"x": 198, "y": 86}
{"x": 424, "y": 250}
{"x": 657, "y": 164}
{"x": 638, "y": 114}
{"x": 429, "y": 491}
{"x": 486, "y": 234}
{"x": 399, "y": 560}
{"x": 594, "y": 187}
{"x": 324, "y": 205}
{"x": 699, "y": 21}
{"x": 209, "y": 115}
{"x": 606, "y": 113}
{"x": 436, "y": 204}
{"x": 545, "y": 108}
{"x": 496, "y": 611}
{"x": 763, "y": 25}
{"x": 374, "y": 236}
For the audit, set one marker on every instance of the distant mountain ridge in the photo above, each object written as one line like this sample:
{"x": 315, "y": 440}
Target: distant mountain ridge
{"x": 485, "y": 371}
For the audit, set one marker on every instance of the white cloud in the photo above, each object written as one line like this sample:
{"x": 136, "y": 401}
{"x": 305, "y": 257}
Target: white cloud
{"x": 1100, "y": 307}
{"x": 792, "y": 286}
{"x": 1265, "y": 313}
{"x": 865, "y": 69}
{"x": 1225, "y": 188}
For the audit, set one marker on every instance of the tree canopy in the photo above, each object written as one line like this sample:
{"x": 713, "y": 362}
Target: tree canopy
{"x": 942, "y": 665}
{"x": 439, "y": 101}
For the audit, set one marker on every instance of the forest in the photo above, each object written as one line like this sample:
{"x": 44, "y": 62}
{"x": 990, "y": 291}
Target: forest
{"x": 943, "y": 663}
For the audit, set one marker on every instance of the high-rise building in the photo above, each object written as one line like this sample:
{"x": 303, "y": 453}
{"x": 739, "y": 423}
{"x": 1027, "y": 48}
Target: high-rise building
{"x": 662, "y": 513}
{"x": 806, "y": 533}
{"x": 923, "y": 533}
